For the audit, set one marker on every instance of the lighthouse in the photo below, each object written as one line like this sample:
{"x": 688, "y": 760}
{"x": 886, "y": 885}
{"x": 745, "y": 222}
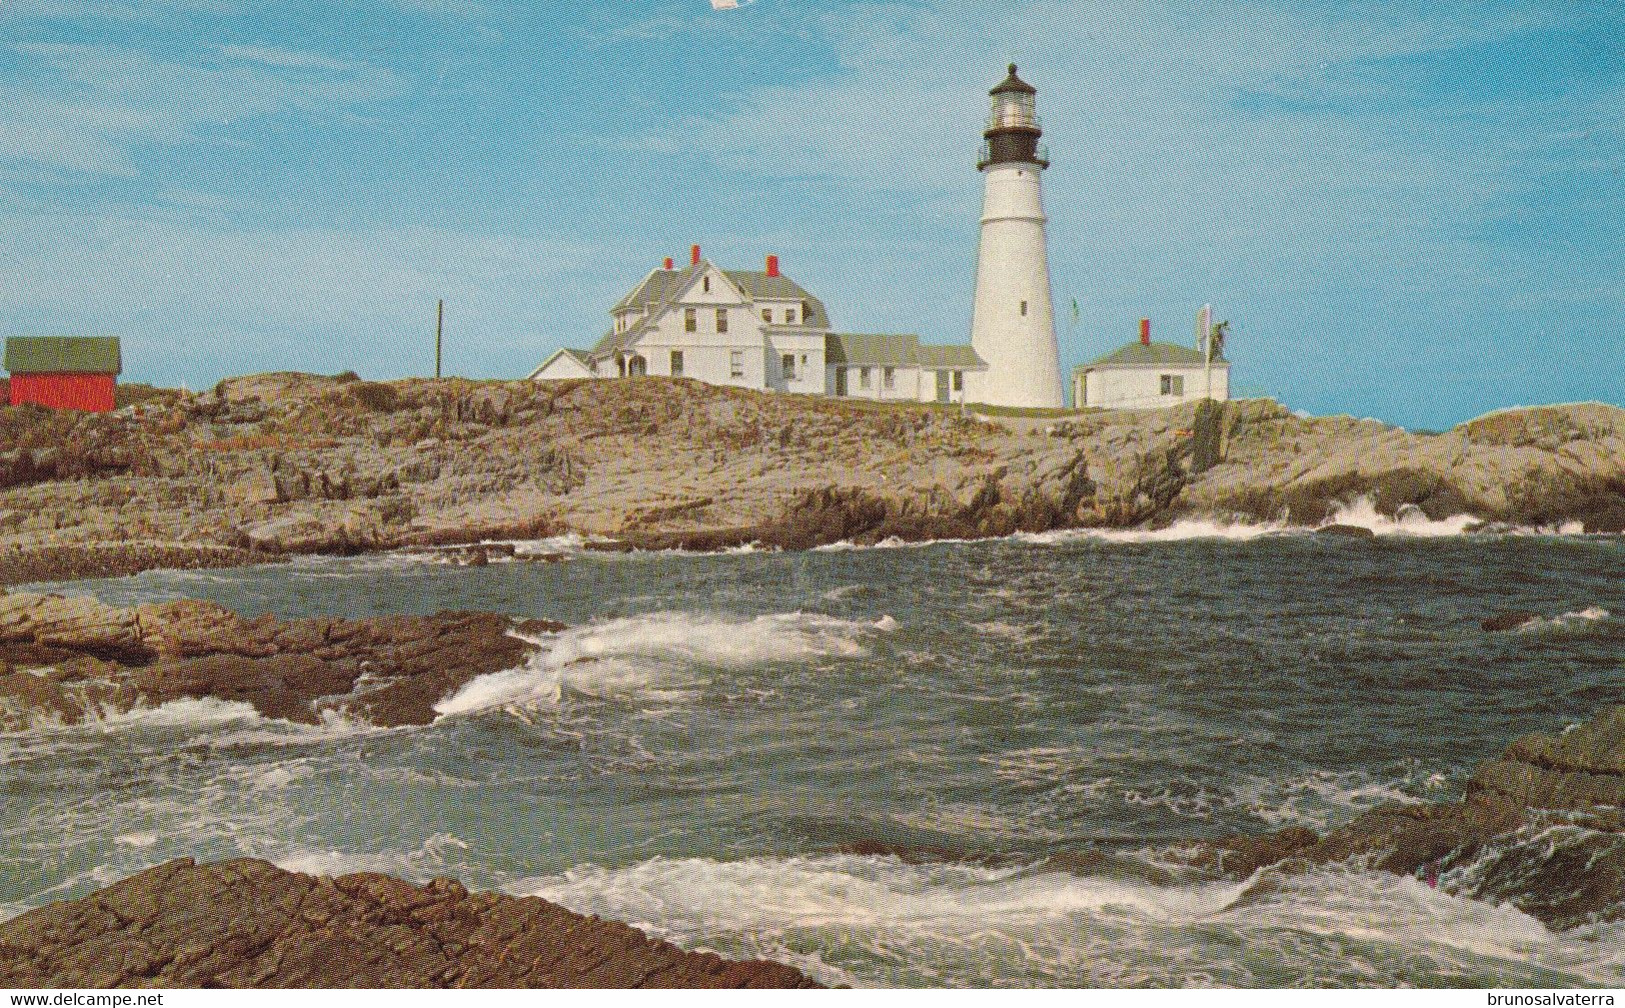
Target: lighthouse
{"x": 1012, "y": 318}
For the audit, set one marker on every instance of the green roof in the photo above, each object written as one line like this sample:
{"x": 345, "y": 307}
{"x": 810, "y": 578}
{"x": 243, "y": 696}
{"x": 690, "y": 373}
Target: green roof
{"x": 952, "y": 355}
{"x": 761, "y": 287}
{"x": 55, "y": 354}
{"x": 655, "y": 288}
{"x": 1151, "y": 355}
{"x": 896, "y": 350}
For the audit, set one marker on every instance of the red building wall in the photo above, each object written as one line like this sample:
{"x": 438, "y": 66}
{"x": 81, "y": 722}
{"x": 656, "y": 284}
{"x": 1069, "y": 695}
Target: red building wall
{"x": 91, "y": 392}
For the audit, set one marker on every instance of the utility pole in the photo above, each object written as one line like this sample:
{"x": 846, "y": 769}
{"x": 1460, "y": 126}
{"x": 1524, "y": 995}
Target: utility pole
{"x": 439, "y": 328}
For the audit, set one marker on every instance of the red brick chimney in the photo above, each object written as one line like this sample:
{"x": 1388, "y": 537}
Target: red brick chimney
{"x": 772, "y": 265}
{"x": 669, "y": 265}
{"x": 694, "y": 255}
{"x": 1145, "y": 331}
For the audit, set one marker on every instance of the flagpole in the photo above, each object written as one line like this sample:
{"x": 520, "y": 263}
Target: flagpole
{"x": 1207, "y": 348}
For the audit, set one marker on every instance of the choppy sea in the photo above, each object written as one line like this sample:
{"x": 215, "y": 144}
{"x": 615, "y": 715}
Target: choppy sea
{"x": 699, "y": 753}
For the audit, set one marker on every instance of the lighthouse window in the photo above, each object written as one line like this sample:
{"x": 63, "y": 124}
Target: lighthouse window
{"x": 722, "y": 320}
{"x": 1023, "y": 307}
{"x": 691, "y": 320}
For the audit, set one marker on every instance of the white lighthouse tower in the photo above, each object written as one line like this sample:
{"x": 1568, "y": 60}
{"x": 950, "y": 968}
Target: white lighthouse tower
{"x": 1013, "y": 321}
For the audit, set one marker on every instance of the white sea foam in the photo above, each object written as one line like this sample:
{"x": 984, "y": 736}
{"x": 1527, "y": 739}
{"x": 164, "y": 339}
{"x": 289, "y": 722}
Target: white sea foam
{"x": 879, "y": 921}
{"x": 1569, "y": 622}
{"x": 220, "y": 724}
{"x": 1408, "y": 520}
{"x": 661, "y": 655}
{"x": 1324, "y": 797}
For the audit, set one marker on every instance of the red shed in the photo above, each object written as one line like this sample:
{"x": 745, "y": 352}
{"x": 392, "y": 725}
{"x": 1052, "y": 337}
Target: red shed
{"x": 63, "y": 372}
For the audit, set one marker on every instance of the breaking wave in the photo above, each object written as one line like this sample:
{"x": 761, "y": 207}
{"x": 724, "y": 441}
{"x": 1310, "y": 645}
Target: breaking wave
{"x": 1580, "y": 621}
{"x": 879, "y": 921}
{"x": 661, "y": 656}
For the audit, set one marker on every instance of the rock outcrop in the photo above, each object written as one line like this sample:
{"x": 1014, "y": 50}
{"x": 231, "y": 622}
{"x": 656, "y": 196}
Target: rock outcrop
{"x": 246, "y": 923}
{"x": 1541, "y": 828}
{"x": 69, "y": 658}
{"x": 287, "y": 463}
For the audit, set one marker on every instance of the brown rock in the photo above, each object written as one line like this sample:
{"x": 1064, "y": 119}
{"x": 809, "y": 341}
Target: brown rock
{"x": 245, "y": 923}
{"x": 104, "y": 657}
{"x": 1509, "y": 620}
{"x": 1346, "y": 531}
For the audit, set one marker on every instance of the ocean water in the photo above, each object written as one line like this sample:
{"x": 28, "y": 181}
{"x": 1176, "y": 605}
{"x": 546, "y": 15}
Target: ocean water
{"x": 702, "y": 751}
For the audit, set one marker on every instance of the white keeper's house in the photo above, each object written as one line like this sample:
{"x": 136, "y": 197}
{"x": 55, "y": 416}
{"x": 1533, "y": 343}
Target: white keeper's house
{"x": 758, "y": 330}
{"x": 1147, "y": 375}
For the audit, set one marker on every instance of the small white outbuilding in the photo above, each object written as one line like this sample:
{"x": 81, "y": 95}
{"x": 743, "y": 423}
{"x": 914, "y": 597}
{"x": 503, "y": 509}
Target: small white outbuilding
{"x": 1146, "y": 375}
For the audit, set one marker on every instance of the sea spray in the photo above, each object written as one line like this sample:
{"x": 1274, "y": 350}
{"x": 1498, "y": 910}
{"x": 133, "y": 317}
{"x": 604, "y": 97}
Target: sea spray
{"x": 878, "y": 921}
{"x": 661, "y": 655}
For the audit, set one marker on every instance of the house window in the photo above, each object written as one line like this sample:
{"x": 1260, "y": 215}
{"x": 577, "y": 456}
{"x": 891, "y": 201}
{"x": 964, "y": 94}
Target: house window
{"x": 736, "y": 364}
{"x": 959, "y": 381}
{"x": 1173, "y": 385}
{"x": 767, "y": 315}
{"x": 722, "y": 320}
{"x": 705, "y": 284}
{"x": 1023, "y": 307}
{"x": 863, "y": 377}
{"x": 888, "y": 378}
{"x": 789, "y": 367}
{"x": 691, "y": 320}
{"x": 677, "y": 363}
{"x": 789, "y": 316}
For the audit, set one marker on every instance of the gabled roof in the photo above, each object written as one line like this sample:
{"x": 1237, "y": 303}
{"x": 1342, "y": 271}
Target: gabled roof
{"x": 1139, "y": 354}
{"x": 896, "y": 350}
{"x": 579, "y": 356}
{"x": 55, "y": 354}
{"x": 759, "y": 286}
{"x": 659, "y": 286}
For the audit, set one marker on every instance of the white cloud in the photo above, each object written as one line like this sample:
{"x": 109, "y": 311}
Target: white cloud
{"x": 89, "y": 109}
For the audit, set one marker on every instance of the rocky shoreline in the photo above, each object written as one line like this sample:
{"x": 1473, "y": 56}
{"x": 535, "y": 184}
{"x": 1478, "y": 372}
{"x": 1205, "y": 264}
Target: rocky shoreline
{"x": 70, "y": 659}
{"x": 1552, "y": 808}
{"x": 269, "y": 466}
{"x": 246, "y": 923}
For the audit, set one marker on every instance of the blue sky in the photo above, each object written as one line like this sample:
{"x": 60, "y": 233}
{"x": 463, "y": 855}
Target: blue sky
{"x": 1406, "y": 210}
